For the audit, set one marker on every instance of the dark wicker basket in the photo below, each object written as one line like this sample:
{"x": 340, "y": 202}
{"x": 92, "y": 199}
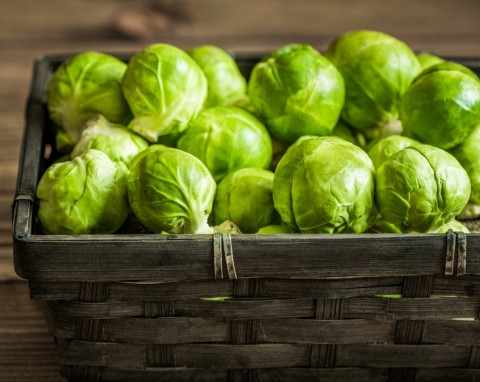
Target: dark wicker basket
{"x": 143, "y": 307}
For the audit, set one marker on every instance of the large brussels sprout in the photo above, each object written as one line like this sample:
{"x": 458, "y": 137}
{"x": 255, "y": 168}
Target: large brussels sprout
{"x": 115, "y": 140}
{"x": 165, "y": 89}
{"x": 297, "y": 91}
{"x": 388, "y": 146}
{"x": 421, "y": 188}
{"x": 377, "y": 69}
{"x": 442, "y": 107}
{"x": 227, "y": 138}
{"x": 171, "y": 191}
{"x": 245, "y": 197}
{"x": 468, "y": 155}
{"x": 226, "y": 84}
{"x": 325, "y": 185}
{"x": 86, "y": 195}
{"x": 86, "y": 84}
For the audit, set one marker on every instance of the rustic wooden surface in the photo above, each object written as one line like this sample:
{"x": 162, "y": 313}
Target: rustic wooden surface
{"x": 29, "y": 28}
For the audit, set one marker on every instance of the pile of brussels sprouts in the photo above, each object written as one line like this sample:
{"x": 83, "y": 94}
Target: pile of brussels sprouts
{"x": 365, "y": 137}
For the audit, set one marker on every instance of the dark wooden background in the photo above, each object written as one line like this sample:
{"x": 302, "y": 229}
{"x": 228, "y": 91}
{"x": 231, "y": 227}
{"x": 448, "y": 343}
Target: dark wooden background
{"x": 29, "y": 28}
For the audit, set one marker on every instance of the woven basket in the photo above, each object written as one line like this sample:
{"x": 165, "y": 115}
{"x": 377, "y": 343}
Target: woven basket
{"x": 143, "y": 307}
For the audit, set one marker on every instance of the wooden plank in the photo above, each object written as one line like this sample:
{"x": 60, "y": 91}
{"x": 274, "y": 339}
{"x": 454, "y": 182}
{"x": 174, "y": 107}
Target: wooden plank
{"x": 175, "y": 330}
{"x": 457, "y": 332}
{"x": 108, "y": 257}
{"x": 325, "y": 331}
{"x": 272, "y": 288}
{"x": 403, "y": 356}
{"x": 412, "y": 308}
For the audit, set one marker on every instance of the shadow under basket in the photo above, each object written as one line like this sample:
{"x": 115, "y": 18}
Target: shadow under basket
{"x": 144, "y": 307}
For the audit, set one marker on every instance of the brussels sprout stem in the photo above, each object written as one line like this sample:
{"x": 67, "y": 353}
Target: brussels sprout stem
{"x": 200, "y": 227}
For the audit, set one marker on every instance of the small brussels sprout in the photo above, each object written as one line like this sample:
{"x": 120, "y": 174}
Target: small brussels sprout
{"x": 377, "y": 69}
{"x": 428, "y": 59}
{"x": 297, "y": 91}
{"x": 227, "y": 138}
{"x": 165, "y": 89}
{"x": 388, "y": 146}
{"x": 115, "y": 140}
{"x": 420, "y": 188}
{"x": 275, "y": 229}
{"x": 442, "y": 106}
{"x": 245, "y": 197}
{"x": 454, "y": 225}
{"x": 468, "y": 155}
{"x": 325, "y": 185}
{"x": 470, "y": 211}
{"x": 86, "y": 84}
{"x": 171, "y": 190}
{"x": 87, "y": 195}
{"x": 226, "y": 84}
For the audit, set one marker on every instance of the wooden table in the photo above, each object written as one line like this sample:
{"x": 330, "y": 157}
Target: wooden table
{"x": 29, "y": 28}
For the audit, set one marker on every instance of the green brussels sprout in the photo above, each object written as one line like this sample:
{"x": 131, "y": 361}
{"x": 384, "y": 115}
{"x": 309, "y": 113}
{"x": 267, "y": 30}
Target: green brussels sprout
{"x": 467, "y": 154}
{"x": 275, "y": 229}
{"x": 454, "y": 225}
{"x": 325, "y": 185}
{"x": 428, "y": 59}
{"x": 86, "y": 84}
{"x": 297, "y": 91}
{"x": 388, "y": 146}
{"x": 420, "y": 188}
{"x": 245, "y": 197}
{"x": 171, "y": 190}
{"x": 470, "y": 211}
{"x": 377, "y": 69}
{"x": 226, "y": 84}
{"x": 86, "y": 195}
{"x": 115, "y": 140}
{"x": 442, "y": 106}
{"x": 165, "y": 89}
{"x": 227, "y": 138}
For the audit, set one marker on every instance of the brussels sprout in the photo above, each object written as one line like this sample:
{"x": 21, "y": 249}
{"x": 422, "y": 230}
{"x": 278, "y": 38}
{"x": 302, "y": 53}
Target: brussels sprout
{"x": 227, "y": 138}
{"x": 226, "y": 84}
{"x": 377, "y": 69}
{"x": 388, "y": 146}
{"x": 86, "y": 195}
{"x": 428, "y": 59}
{"x": 165, "y": 89}
{"x": 325, "y": 185}
{"x": 114, "y": 140}
{"x": 442, "y": 107}
{"x": 420, "y": 188}
{"x": 227, "y": 227}
{"x": 470, "y": 211}
{"x": 468, "y": 155}
{"x": 297, "y": 91}
{"x": 245, "y": 197}
{"x": 86, "y": 84}
{"x": 275, "y": 229}
{"x": 454, "y": 225}
{"x": 448, "y": 65}
{"x": 171, "y": 190}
